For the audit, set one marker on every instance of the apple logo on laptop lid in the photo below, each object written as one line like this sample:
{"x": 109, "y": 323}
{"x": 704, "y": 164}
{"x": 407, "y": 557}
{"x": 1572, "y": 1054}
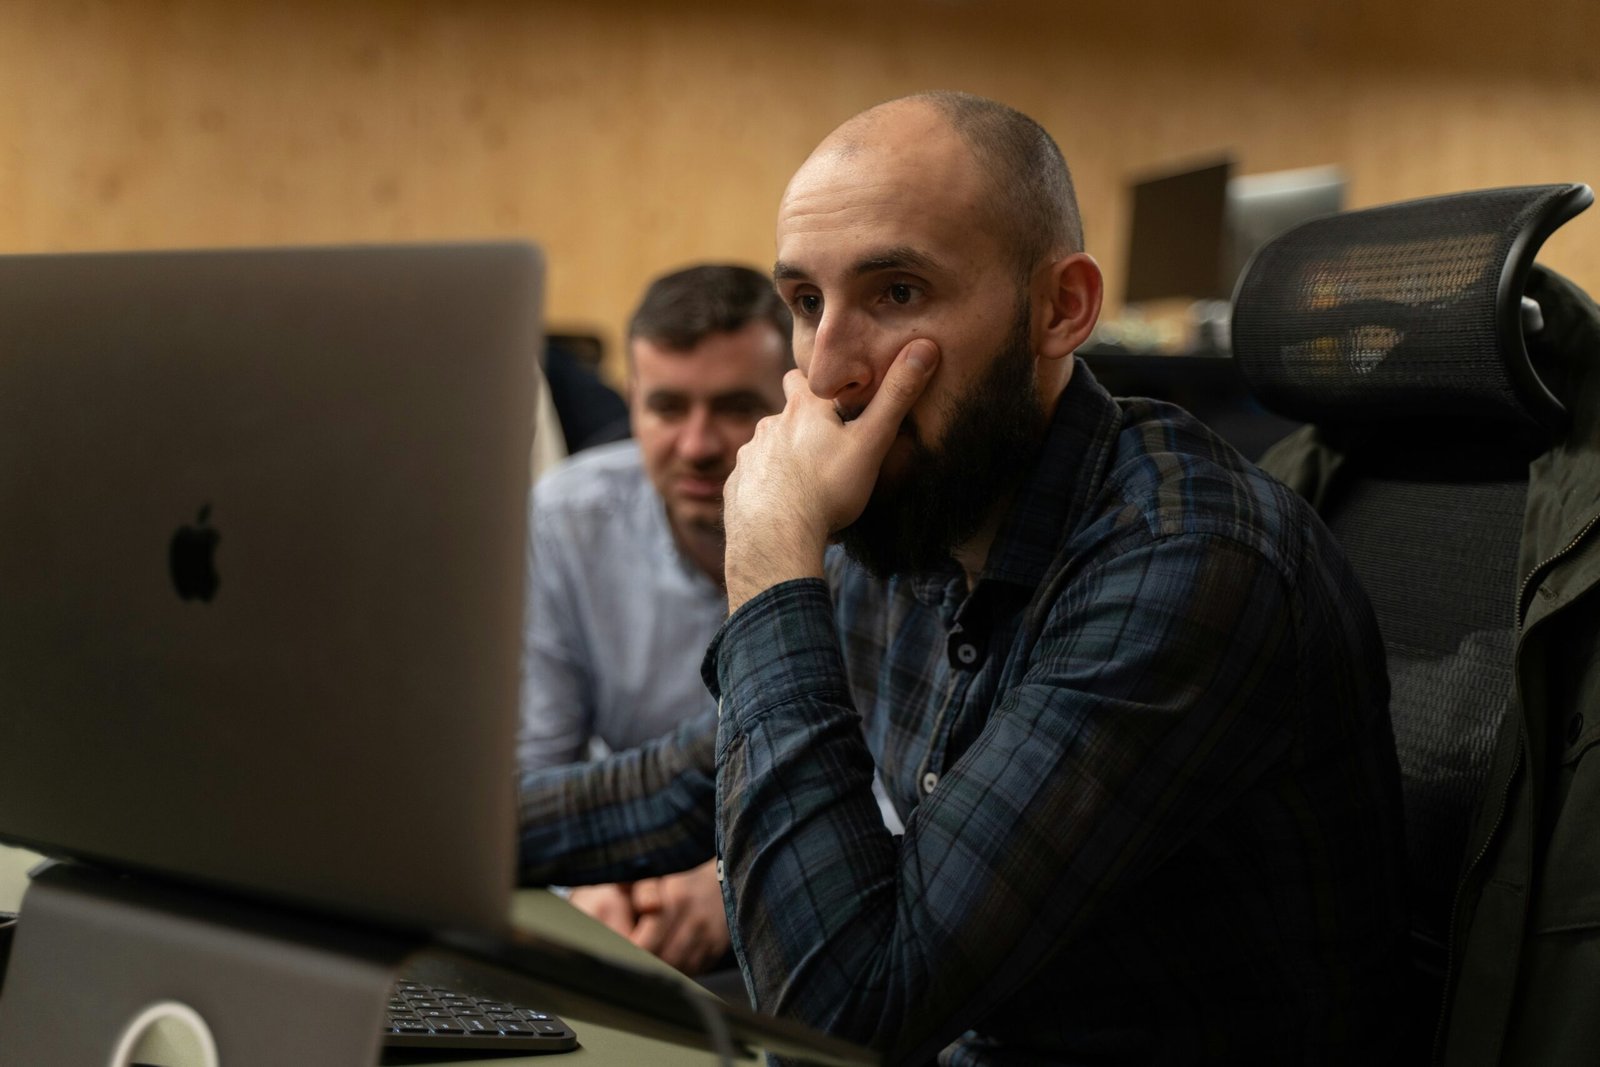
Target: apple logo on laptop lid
{"x": 192, "y": 558}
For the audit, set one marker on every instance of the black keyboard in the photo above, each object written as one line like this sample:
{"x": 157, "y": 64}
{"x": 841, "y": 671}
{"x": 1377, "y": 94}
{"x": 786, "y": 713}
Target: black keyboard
{"x": 433, "y": 1017}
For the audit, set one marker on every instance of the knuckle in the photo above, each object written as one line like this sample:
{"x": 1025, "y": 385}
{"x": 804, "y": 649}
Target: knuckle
{"x": 903, "y": 386}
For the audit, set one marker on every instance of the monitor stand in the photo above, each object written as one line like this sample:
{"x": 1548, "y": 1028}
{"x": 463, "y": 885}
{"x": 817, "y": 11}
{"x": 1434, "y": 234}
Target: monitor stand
{"x": 101, "y": 955}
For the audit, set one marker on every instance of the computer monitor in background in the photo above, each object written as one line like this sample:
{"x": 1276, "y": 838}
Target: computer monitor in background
{"x": 1261, "y": 206}
{"x": 1177, "y": 231}
{"x": 1192, "y": 231}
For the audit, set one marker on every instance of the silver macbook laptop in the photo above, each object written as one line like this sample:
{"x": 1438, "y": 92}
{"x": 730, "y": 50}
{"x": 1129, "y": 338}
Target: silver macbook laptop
{"x": 261, "y": 538}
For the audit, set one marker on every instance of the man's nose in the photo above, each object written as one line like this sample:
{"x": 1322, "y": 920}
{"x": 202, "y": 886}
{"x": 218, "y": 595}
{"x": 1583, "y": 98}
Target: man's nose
{"x": 841, "y": 367}
{"x": 700, "y": 439}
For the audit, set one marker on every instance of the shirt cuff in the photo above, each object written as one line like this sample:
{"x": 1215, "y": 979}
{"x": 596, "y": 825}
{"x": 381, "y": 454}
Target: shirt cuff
{"x": 780, "y": 645}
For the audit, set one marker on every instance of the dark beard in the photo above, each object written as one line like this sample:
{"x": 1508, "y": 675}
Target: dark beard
{"x": 946, "y": 492}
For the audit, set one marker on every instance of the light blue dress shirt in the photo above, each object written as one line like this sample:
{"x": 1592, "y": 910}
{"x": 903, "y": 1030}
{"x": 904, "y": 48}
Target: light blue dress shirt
{"x": 617, "y": 619}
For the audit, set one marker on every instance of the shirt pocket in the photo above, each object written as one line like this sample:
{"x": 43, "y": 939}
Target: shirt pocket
{"x": 1568, "y": 896}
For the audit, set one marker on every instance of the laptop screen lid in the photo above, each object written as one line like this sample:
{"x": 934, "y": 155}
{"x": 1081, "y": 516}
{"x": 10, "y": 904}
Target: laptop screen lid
{"x": 262, "y": 519}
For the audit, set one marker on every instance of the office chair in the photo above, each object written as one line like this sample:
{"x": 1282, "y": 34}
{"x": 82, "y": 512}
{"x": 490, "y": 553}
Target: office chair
{"x": 1401, "y": 333}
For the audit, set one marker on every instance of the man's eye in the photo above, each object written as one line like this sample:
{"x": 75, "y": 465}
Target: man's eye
{"x": 901, "y": 293}
{"x": 808, "y": 303}
{"x": 745, "y": 409}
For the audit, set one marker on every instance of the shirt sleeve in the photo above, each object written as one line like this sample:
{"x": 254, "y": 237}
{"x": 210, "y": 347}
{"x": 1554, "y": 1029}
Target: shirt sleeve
{"x": 1154, "y": 692}
{"x": 636, "y": 814}
{"x": 557, "y": 705}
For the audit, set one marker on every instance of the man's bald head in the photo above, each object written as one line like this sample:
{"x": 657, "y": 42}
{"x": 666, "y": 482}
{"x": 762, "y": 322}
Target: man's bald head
{"x": 1033, "y": 200}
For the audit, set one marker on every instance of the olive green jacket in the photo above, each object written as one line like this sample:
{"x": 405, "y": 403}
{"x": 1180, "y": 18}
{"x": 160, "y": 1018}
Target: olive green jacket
{"x": 1524, "y": 980}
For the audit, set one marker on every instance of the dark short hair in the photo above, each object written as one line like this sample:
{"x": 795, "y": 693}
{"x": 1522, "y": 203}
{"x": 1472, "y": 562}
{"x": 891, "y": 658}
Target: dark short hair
{"x": 681, "y": 309}
{"x": 1034, "y": 197}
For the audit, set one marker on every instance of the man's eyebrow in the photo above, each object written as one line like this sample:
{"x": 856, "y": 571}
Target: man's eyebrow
{"x": 738, "y": 396}
{"x": 900, "y": 257}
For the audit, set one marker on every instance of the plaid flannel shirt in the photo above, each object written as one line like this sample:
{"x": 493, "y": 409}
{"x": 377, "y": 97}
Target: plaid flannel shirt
{"x": 1152, "y": 811}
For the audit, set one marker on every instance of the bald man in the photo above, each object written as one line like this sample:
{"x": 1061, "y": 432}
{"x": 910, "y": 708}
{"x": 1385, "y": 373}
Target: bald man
{"x": 1122, "y": 687}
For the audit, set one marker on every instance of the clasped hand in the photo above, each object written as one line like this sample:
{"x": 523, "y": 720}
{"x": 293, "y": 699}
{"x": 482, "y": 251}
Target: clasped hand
{"x": 807, "y": 473}
{"x": 678, "y": 917}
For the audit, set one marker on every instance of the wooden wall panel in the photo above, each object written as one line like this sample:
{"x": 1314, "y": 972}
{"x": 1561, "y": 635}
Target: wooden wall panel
{"x": 632, "y": 137}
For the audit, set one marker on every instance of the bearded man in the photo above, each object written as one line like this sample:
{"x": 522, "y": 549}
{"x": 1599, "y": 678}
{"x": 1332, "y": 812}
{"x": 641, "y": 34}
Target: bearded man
{"x": 1121, "y": 686}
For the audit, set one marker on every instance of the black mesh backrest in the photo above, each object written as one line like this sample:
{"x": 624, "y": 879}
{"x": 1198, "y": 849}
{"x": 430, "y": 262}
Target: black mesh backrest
{"x": 1402, "y": 312}
{"x": 1438, "y": 559}
{"x": 1399, "y": 332}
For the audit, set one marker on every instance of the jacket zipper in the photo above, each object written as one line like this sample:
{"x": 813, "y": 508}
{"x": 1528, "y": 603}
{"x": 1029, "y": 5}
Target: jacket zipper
{"x": 1522, "y": 595}
{"x": 1505, "y": 791}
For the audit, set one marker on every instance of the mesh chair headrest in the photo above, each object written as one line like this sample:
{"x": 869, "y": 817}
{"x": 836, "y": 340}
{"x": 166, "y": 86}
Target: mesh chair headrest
{"x": 1405, "y": 314}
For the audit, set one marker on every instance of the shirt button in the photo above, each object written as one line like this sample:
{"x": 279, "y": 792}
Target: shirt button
{"x": 967, "y": 654}
{"x": 929, "y": 780}
{"x": 719, "y": 870}
{"x": 1574, "y": 727}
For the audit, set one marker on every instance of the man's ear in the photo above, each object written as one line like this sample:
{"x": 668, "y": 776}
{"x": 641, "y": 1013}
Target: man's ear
{"x": 1069, "y": 291}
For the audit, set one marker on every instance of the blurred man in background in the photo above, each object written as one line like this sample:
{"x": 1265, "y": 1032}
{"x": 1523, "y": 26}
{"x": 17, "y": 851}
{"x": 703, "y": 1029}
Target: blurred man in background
{"x": 627, "y": 584}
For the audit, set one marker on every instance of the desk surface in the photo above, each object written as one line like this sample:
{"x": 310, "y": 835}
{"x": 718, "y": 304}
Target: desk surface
{"x": 535, "y": 909}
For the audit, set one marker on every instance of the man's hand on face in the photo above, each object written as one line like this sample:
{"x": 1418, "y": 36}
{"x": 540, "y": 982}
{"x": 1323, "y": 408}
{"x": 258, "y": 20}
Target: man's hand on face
{"x": 807, "y": 474}
{"x": 681, "y": 918}
{"x": 611, "y": 904}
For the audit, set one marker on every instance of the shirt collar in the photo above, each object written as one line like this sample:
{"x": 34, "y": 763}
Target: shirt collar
{"x": 1065, "y": 477}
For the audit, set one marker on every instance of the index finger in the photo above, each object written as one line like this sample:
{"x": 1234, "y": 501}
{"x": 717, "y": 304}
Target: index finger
{"x": 904, "y": 382}
{"x": 794, "y": 382}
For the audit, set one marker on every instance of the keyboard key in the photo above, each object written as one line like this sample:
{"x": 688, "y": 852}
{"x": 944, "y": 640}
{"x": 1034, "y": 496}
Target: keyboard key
{"x": 445, "y": 1026}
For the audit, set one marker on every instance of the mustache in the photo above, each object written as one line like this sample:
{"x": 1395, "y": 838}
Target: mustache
{"x": 714, "y": 465}
{"x": 908, "y": 427}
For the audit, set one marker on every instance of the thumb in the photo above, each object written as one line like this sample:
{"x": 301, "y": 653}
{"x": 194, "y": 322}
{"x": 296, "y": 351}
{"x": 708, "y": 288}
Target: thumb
{"x": 908, "y": 376}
